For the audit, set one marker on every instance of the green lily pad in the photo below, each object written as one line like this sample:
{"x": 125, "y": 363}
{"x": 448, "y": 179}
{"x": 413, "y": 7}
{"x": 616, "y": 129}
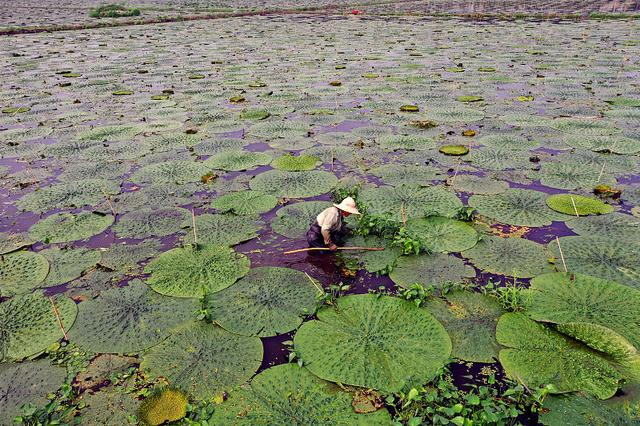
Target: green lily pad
{"x": 178, "y": 171}
{"x": 255, "y": 114}
{"x": 222, "y": 229}
{"x": 108, "y": 407}
{"x": 441, "y": 234}
{"x": 407, "y": 142}
{"x": 27, "y": 383}
{"x": 28, "y": 324}
{"x": 581, "y": 410}
{"x": 602, "y": 257}
{"x": 238, "y": 160}
{"x": 520, "y": 207}
{"x": 414, "y": 201}
{"x": 21, "y": 271}
{"x": 66, "y": 227}
{"x": 69, "y": 194}
{"x": 266, "y": 302}
{"x": 453, "y": 114}
{"x": 15, "y": 110}
{"x": 11, "y": 242}
{"x": 616, "y": 143}
{"x": 279, "y": 129}
{"x": 430, "y": 270}
{"x": 380, "y": 262}
{"x": 508, "y": 142}
{"x": 595, "y": 311}
{"x": 409, "y": 108}
{"x": 499, "y": 158}
{"x": 617, "y": 226}
{"x": 129, "y": 319}
{"x": 122, "y": 93}
{"x": 469, "y": 98}
{"x": 125, "y": 257}
{"x": 102, "y": 368}
{"x": 364, "y": 341}
{"x": 281, "y": 395}
{"x": 538, "y": 355}
{"x": 145, "y": 222}
{"x": 584, "y": 126}
{"x": 68, "y": 263}
{"x": 478, "y": 185}
{"x": 293, "y": 163}
{"x": 294, "y": 220}
{"x": 294, "y": 184}
{"x": 470, "y": 319}
{"x": 577, "y": 205}
{"x": 454, "y": 149}
{"x": 571, "y": 175}
{"x": 193, "y": 271}
{"x": 397, "y": 175}
{"x": 110, "y": 132}
{"x": 204, "y": 360}
{"x": 514, "y": 257}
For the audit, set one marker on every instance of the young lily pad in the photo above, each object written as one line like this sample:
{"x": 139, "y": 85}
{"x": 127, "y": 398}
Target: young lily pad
{"x": 68, "y": 263}
{"x": 281, "y": 395}
{"x": 514, "y": 257}
{"x": 470, "y": 319}
{"x": 406, "y": 202}
{"x": 266, "y": 302}
{"x": 125, "y": 257}
{"x": 294, "y": 220}
{"x": 69, "y": 194}
{"x": 520, "y": 207}
{"x": 294, "y": 184}
{"x": 238, "y": 160}
{"x": 595, "y": 311}
{"x": 178, "y": 172}
{"x": 66, "y": 227}
{"x": 617, "y": 226}
{"x": 409, "y": 108}
{"x": 22, "y": 270}
{"x": 147, "y": 222}
{"x": 396, "y": 175}
{"x": 27, "y": 383}
{"x": 293, "y": 163}
{"x": 249, "y": 203}
{"x": 538, "y": 355}
{"x": 364, "y": 341}
{"x": 11, "y": 242}
{"x": 454, "y": 149}
{"x": 478, "y": 185}
{"x": 204, "y": 360}
{"x": 430, "y": 270}
{"x": 380, "y": 262}
{"x": 192, "y": 271}
{"x": 441, "y": 234}
{"x": 15, "y": 110}
{"x": 469, "y": 98}
{"x": 602, "y": 257}
{"x": 129, "y": 319}
{"x": 577, "y": 205}
{"x": 28, "y": 324}
{"x": 222, "y": 229}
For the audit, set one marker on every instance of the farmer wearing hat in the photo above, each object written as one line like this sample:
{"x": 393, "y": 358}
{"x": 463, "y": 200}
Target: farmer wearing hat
{"x": 329, "y": 228}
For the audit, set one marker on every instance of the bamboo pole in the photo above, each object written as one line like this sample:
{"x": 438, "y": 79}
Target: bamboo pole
{"x": 55, "y": 311}
{"x": 561, "y": 255}
{"x": 106, "y": 196}
{"x": 193, "y": 221}
{"x": 338, "y": 248}
{"x": 575, "y": 209}
{"x": 315, "y": 284}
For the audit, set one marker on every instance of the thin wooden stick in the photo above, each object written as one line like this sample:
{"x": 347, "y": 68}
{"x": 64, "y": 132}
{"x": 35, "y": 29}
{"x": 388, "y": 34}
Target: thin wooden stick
{"x": 106, "y": 196}
{"x": 315, "y": 284}
{"x": 404, "y": 217}
{"x": 193, "y": 221}
{"x": 55, "y": 311}
{"x": 338, "y": 248}
{"x": 601, "y": 172}
{"x": 561, "y": 255}
{"x": 456, "y": 171}
{"x": 575, "y": 209}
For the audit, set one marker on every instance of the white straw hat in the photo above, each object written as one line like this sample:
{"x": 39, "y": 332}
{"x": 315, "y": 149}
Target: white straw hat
{"x": 348, "y": 205}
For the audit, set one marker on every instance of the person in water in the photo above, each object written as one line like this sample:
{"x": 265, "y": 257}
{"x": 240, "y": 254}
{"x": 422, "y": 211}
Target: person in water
{"x": 328, "y": 230}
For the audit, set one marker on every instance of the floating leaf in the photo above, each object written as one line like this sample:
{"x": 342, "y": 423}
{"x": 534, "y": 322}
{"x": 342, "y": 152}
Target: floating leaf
{"x": 279, "y": 129}
{"x": 129, "y": 319}
{"x": 110, "y": 133}
{"x": 508, "y": 142}
{"x": 470, "y": 319}
{"x": 15, "y": 110}
{"x": 409, "y": 108}
{"x": 293, "y": 163}
{"x": 281, "y": 395}
{"x": 193, "y": 271}
{"x": 469, "y": 98}
{"x": 102, "y": 368}
{"x": 28, "y": 324}
{"x": 108, "y": 407}
{"x": 520, "y": 207}
{"x": 430, "y": 270}
{"x": 499, "y": 158}
{"x": 514, "y": 257}
{"x": 454, "y": 149}
{"x": 22, "y": 270}
{"x": 617, "y": 144}
{"x": 373, "y": 261}
{"x": 145, "y": 222}
{"x": 441, "y": 234}
{"x": 294, "y": 184}
{"x": 125, "y": 257}
{"x": 66, "y": 227}
{"x": 571, "y": 175}
{"x": 178, "y": 171}
{"x": 11, "y": 242}
{"x": 294, "y": 220}
{"x": 538, "y": 355}
{"x": 238, "y": 160}
{"x": 617, "y": 226}
{"x": 479, "y": 185}
{"x": 452, "y": 114}
{"x": 584, "y": 126}
{"x": 245, "y": 203}
{"x": 408, "y": 142}
{"x": 577, "y": 205}
{"x": 204, "y": 360}
{"x": 580, "y": 410}
{"x": 68, "y": 263}
{"x": 69, "y": 194}
{"x": 396, "y": 175}
{"x": 364, "y": 341}
{"x": 223, "y": 229}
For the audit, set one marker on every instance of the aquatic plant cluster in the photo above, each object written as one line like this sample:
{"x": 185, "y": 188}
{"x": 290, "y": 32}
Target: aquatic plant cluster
{"x": 154, "y": 176}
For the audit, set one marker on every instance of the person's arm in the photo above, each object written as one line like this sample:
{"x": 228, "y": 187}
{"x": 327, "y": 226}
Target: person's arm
{"x": 325, "y": 229}
{"x": 327, "y": 239}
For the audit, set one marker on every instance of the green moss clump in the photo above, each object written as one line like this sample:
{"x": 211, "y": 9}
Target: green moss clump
{"x": 166, "y": 405}
{"x": 113, "y": 11}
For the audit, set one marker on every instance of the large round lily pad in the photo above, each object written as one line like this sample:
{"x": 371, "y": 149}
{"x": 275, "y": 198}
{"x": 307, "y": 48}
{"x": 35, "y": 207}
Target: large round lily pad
{"x": 602, "y": 143}
{"x": 177, "y": 171}
{"x": 364, "y": 341}
{"x": 602, "y": 257}
{"x": 145, "y": 222}
{"x": 125, "y": 257}
{"x": 192, "y": 271}
{"x": 584, "y": 126}
{"x": 616, "y": 226}
{"x": 245, "y": 203}
{"x": 478, "y": 185}
{"x": 410, "y": 202}
{"x": 68, "y": 263}
{"x": 470, "y": 319}
{"x": 380, "y": 262}
{"x": 294, "y": 184}
{"x": 582, "y": 410}
{"x": 65, "y": 227}
{"x": 538, "y": 355}
{"x": 593, "y": 308}
{"x": 294, "y": 220}
{"x": 129, "y": 319}
{"x": 520, "y": 207}
{"x": 222, "y": 229}
{"x": 204, "y": 360}
{"x": 571, "y": 175}
{"x": 577, "y": 205}
{"x": 11, "y": 242}
{"x": 22, "y": 270}
{"x": 236, "y": 161}
{"x": 27, "y": 383}
{"x": 290, "y": 395}
{"x": 294, "y": 163}
{"x": 111, "y": 406}
{"x": 441, "y": 234}
{"x": 514, "y": 257}
{"x": 266, "y": 302}
{"x": 68, "y": 194}
{"x": 430, "y": 270}
{"x": 507, "y": 142}
{"x": 28, "y": 324}
{"x": 396, "y": 175}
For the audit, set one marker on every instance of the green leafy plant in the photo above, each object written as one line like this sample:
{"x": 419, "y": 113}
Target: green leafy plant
{"x": 465, "y": 214}
{"x": 418, "y": 294}
{"x": 409, "y": 244}
{"x": 113, "y": 11}
{"x": 510, "y": 296}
